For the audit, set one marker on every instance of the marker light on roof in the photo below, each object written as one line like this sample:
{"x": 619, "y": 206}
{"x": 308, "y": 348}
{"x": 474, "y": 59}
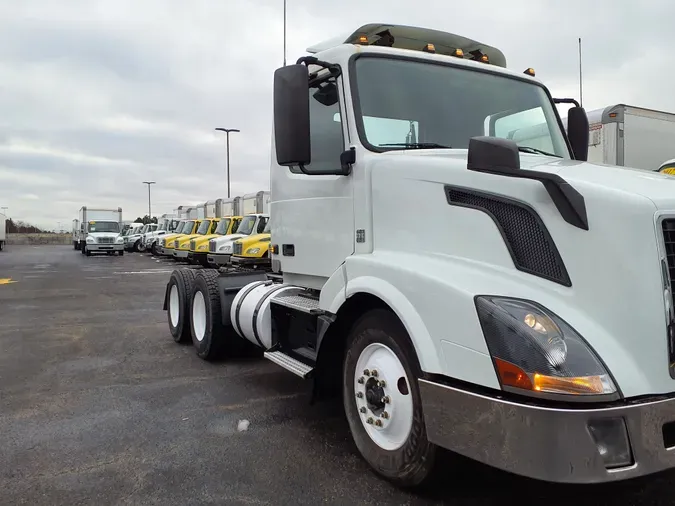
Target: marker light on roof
{"x": 429, "y": 48}
{"x": 529, "y": 72}
{"x": 363, "y": 39}
{"x": 458, "y": 53}
{"x": 484, "y": 58}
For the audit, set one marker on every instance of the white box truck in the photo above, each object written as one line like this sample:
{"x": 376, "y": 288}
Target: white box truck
{"x": 76, "y": 234}
{"x": 629, "y": 136}
{"x": 253, "y": 203}
{"x": 229, "y": 207}
{"x": 100, "y": 231}
{"x": 3, "y": 231}
{"x": 526, "y": 322}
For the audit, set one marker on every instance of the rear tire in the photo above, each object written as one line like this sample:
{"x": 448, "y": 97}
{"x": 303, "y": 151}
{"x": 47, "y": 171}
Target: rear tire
{"x": 206, "y": 326}
{"x": 398, "y": 449}
{"x": 178, "y": 304}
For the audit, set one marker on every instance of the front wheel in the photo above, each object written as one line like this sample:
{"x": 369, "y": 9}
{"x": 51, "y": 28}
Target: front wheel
{"x": 121, "y": 252}
{"x": 382, "y": 400}
{"x": 153, "y": 249}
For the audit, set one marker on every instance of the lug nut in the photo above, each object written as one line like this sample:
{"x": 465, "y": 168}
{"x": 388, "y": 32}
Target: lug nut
{"x": 386, "y": 399}
{"x": 370, "y": 420}
{"x": 382, "y": 384}
{"x": 363, "y": 409}
{"x": 361, "y": 380}
{"x": 374, "y": 373}
{"x": 366, "y": 372}
{"x": 385, "y": 415}
{"x": 359, "y": 395}
{"x": 378, "y": 423}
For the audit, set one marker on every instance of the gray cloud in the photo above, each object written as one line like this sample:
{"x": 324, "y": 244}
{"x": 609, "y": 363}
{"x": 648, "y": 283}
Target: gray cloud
{"x": 98, "y": 95}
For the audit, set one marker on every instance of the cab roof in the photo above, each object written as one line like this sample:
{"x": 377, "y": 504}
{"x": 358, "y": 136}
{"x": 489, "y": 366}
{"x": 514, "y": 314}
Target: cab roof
{"x": 415, "y": 38}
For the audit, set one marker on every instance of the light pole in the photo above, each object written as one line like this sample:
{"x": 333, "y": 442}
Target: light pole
{"x": 149, "y": 209}
{"x": 227, "y": 134}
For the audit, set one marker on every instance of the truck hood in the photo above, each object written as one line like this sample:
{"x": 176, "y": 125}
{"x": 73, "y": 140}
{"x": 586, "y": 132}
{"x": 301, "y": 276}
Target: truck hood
{"x": 655, "y": 186}
{"x": 98, "y": 235}
{"x": 227, "y": 238}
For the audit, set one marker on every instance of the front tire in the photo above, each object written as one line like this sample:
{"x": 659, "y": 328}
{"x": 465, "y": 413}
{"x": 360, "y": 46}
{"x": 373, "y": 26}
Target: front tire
{"x": 180, "y": 289}
{"x": 83, "y": 247}
{"x": 208, "y": 332}
{"x": 384, "y": 408}
{"x": 153, "y": 249}
{"x": 121, "y": 252}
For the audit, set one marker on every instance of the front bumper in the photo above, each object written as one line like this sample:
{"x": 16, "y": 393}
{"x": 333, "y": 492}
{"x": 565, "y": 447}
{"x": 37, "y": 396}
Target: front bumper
{"x": 180, "y": 253}
{"x": 218, "y": 259}
{"x": 168, "y": 252}
{"x": 544, "y": 443}
{"x": 95, "y": 248}
{"x": 250, "y": 261}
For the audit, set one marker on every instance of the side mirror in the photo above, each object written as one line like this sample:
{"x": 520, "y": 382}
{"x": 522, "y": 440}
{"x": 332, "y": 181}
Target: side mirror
{"x": 577, "y": 132}
{"x": 493, "y": 154}
{"x": 291, "y": 115}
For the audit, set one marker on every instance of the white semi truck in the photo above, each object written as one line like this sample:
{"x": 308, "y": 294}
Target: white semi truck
{"x": 3, "y": 231}
{"x": 100, "y": 231}
{"x": 526, "y": 321}
{"x": 629, "y": 136}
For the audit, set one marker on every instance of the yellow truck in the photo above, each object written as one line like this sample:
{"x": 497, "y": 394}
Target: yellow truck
{"x": 169, "y": 241}
{"x": 207, "y": 226}
{"x": 199, "y": 246}
{"x": 253, "y": 251}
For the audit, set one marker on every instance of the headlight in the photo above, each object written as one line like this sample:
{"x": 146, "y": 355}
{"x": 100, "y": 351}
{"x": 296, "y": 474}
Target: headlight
{"x": 252, "y": 251}
{"x": 535, "y": 350}
{"x": 226, "y": 248}
{"x": 91, "y": 239}
{"x": 203, "y": 247}
{"x": 120, "y": 239}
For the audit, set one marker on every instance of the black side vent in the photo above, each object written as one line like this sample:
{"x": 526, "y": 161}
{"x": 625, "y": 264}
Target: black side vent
{"x": 527, "y": 238}
{"x": 669, "y": 240}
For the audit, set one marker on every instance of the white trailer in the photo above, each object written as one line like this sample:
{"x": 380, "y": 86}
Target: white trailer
{"x": 100, "y": 231}
{"x": 76, "y": 234}
{"x": 630, "y": 136}
{"x": 229, "y": 207}
{"x": 211, "y": 209}
{"x": 3, "y": 231}
{"x": 191, "y": 213}
{"x": 253, "y": 203}
{"x": 526, "y": 322}
{"x": 201, "y": 211}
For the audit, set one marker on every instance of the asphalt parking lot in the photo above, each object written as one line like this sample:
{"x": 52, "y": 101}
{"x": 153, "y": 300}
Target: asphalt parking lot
{"x": 98, "y": 405}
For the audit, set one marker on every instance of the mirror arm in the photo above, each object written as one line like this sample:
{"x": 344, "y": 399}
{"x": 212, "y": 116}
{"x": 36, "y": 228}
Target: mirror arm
{"x": 566, "y": 101}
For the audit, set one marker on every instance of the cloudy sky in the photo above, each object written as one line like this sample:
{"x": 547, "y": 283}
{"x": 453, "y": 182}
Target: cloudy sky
{"x": 97, "y": 96}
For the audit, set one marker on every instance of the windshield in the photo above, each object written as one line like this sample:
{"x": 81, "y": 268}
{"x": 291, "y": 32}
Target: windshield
{"x": 222, "y": 227}
{"x": 410, "y": 104}
{"x": 204, "y": 227}
{"x": 187, "y": 227}
{"x": 104, "y": 226}
{"x": 246, "y": 225}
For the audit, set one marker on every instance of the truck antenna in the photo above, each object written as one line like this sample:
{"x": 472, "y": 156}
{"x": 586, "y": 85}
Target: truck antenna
{"x": 284, "y": 33}
{"x": 581, "y": 87}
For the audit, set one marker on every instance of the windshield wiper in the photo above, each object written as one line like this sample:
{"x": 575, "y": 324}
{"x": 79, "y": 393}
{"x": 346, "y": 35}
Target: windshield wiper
{"x": 417, "y": 145}
{"x": 528, "y": 149}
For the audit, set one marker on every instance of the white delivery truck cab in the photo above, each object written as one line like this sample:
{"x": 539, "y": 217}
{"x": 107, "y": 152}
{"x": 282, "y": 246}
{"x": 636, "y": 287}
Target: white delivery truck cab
{"x": 76, "y": 234}
{"x": 526, "y": 322}
{"x": 630, "y": 136}
{"x": 3, "y": 231}
{"x": 100, "y": 231}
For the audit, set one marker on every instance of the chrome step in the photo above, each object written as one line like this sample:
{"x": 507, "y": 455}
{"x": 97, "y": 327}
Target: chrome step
{"x": 299, "y": 303}
{"x": 295, "y": 366}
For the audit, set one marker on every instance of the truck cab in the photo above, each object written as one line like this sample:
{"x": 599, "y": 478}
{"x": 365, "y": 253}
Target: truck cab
{"x": 103, "y": 236}
{"x": 182, "y": 244}
{"x": 220, "y": 248}
{"x": 253, "y": 251}
{"x": 169, "y": 240}
{"x": 506, "y": 327}
{"x": 199, "y": 246}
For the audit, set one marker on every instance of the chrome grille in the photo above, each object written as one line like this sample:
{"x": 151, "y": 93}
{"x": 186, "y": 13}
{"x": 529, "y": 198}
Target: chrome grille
{"x": 105, "y": 240}
{"x": 175, "y": 243}
{"x": 192, "y": 244}
{"x": 212, "y": 246}
{"x": 238, "y": 248}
